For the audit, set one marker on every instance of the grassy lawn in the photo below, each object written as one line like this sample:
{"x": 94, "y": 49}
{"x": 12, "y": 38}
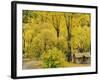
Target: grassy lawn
{"x": 77, "y": 65}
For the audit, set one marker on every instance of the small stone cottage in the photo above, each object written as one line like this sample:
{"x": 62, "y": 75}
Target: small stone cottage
{"x": 81, "y": 58}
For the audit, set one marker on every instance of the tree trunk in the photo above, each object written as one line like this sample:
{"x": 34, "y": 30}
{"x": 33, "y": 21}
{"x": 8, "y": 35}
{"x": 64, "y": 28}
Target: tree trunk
{"x": 57, "y": 33}
{"x": 56, "y": 24}
{"x": 69, "y": 39}
{"x": 68, "y": 27}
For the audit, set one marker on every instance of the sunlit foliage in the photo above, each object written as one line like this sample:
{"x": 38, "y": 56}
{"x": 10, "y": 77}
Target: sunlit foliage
{"x": 48, "y": 36}
{"x": 54, "y": 58}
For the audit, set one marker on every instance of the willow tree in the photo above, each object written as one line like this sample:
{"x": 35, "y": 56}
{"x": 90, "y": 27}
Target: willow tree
{"x": 56, "y": 25}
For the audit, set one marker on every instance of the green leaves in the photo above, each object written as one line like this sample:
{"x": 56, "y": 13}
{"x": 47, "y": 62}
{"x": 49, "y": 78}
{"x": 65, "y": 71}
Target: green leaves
{"x": 46, "y": 36}
{"x": 53, "y": 58}
{"x": 81, "y": 38}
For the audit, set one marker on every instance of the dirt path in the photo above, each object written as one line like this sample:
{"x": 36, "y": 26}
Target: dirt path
{"x": 32, "y": 64}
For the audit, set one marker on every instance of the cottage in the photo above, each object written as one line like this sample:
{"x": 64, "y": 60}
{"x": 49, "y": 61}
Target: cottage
{"x": 81, "y": 58}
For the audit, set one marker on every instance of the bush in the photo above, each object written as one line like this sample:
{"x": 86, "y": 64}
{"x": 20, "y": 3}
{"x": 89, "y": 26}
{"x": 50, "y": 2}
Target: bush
{"x": 53, "y": 58}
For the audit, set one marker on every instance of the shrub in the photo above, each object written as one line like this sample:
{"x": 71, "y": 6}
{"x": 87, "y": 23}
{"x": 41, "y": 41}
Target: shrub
{"x": 53, "y": 58}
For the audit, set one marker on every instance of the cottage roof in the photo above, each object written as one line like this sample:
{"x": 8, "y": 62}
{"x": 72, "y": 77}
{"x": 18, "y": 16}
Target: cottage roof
{"x": 87, "y": 54}
{"x": 78, "y": 55}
